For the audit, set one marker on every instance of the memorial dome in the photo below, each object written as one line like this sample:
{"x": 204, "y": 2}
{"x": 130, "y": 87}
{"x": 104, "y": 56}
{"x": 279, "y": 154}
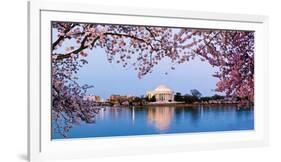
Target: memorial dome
{"x": 162, "y": 88}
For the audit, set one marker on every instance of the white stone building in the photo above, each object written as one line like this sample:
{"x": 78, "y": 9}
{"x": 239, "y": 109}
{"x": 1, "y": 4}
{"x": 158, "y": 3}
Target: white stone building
{"x": 162, "y": 94}
{"x": 93, "y": 98}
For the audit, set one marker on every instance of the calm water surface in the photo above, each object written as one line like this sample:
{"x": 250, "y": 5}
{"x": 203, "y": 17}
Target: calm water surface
{"x": 113, "y": 121}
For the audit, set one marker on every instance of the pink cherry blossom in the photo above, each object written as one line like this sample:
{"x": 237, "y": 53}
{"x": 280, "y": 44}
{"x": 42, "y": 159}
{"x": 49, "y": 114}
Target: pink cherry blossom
{"x": 232, "y": 52}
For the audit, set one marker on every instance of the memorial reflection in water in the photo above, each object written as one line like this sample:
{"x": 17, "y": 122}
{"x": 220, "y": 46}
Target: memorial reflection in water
{"x": 148, "y": 120}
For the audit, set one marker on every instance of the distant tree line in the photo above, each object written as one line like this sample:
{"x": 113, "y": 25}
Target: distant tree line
{"x": 152, "y": 99}
{"x": 195, "y": 96}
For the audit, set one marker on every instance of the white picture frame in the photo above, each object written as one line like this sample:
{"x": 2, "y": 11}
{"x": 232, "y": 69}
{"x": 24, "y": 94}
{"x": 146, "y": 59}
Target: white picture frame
{"x": 40, "y": 146}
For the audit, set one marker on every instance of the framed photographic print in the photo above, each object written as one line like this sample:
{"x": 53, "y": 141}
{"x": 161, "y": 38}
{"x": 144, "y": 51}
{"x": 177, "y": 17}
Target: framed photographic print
{"x": 107, "y": 81}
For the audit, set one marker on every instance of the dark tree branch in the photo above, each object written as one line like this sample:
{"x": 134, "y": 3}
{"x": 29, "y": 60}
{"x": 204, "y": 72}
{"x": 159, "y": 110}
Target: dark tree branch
{"x": 76, "y": 51}
{"x": 83, "y": 46}
{"x": 132, "y": 37}
{"x": 61, "y": 38}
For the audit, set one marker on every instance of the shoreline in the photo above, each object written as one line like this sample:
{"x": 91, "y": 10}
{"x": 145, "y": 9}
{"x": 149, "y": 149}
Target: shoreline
{"x": 183, "y": 105}
{"x": 188, "y": 105}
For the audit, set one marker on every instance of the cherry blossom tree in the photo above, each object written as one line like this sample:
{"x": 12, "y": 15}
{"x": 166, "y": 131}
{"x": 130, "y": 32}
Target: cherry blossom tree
{"x": 138, "y": 46}
{"x": 233, "y": 53}
{"x": 142, "y": 47}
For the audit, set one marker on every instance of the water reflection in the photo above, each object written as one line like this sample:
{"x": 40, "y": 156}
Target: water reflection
{"x": 133, "y": 114}
{"x": 121, "y": 121}
{"x": 160, "y": 117}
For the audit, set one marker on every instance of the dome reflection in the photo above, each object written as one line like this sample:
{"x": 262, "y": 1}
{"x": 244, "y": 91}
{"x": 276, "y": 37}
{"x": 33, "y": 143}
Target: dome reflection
{"x": 160, "y": 117}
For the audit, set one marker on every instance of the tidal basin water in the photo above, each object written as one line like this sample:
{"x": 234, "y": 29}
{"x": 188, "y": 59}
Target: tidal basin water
{"x": 125, "y": 121}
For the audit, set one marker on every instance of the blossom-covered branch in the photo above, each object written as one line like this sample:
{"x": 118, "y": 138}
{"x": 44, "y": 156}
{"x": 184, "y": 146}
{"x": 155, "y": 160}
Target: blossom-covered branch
{"x": 143, "y": 47}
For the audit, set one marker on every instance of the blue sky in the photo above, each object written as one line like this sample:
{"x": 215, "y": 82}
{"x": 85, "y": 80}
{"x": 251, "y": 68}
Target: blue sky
{"x": 111, "y": 78}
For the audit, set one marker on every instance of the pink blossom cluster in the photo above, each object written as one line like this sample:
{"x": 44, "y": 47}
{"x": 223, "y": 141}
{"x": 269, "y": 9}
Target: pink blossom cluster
{"x": 143, "y": 47}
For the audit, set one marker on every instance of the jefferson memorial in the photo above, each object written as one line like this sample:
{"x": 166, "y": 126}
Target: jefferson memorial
{"x": 162, "y": 94}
